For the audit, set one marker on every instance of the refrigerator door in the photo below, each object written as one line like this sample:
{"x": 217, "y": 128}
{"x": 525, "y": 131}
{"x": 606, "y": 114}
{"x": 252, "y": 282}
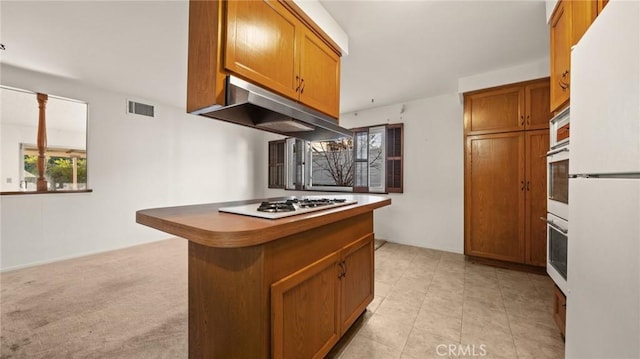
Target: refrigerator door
{"x": 605, "y": 93}
{"x": 603, "y": 308}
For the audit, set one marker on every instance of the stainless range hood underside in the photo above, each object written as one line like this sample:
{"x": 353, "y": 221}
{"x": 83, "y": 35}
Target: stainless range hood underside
{"x": 252, "y": 106}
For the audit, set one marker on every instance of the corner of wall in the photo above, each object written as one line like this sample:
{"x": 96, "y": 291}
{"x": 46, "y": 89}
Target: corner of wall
{"x": 326, "y": 22}
{"x": 549, "y": 6}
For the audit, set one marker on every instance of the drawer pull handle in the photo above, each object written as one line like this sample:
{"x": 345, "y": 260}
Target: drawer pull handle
{"x": 553, "y": 225}
{"x": 555, "y": 152}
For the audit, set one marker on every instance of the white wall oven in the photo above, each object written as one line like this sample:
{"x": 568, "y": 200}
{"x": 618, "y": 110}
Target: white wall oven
{"x": 558, "y": 182}
{"x": 557, "y": 241}
{"x": 558, "y": 199}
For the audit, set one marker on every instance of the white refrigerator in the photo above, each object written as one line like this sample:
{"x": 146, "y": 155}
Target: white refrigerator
{"x": 603, "y": 276}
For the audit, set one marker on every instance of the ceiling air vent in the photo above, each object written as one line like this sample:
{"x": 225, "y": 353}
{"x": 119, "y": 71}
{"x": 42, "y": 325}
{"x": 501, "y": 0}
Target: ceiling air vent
{"x": 138, "y": 108}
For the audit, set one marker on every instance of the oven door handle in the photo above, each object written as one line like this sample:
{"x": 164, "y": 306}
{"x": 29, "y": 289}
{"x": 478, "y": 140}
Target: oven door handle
{"x": 553, "y": 225}
{"x": 555, "y": 152}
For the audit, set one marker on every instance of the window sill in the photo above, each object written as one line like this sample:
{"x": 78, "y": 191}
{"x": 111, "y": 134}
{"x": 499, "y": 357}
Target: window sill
{"x": 44, "y": 192}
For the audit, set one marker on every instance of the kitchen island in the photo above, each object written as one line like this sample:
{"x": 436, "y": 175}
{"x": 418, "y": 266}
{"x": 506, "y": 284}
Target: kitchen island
{"x": 280, "y": 288}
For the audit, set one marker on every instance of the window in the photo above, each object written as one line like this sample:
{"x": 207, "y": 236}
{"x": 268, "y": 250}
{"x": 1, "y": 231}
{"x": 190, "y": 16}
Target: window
{"x": 371, "y": 161}
{"x": 66, "y": 168}
{"x": 39, "y": 124}
{"x": 331, "y": 165}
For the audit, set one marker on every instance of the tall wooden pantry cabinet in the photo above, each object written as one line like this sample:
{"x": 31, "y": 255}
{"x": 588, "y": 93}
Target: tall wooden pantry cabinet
{"x": 506, "y": 140}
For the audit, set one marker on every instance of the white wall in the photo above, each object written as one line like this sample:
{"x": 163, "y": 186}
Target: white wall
{"x": 134, "y": 163}
{"x": 430, "y": 211}
{"x": 10, "y": 136}
{"x": 549, "y": 6}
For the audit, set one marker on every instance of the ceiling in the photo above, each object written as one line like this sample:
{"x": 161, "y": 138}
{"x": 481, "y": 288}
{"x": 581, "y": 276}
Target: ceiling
{"x": 398, "y": 50}
{"x": 405, "y": 50}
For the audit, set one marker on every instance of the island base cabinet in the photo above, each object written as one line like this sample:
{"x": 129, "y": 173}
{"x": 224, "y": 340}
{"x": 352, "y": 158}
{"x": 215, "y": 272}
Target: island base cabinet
{"x": 261, "y": 288}
{"x": 313, "y": 307}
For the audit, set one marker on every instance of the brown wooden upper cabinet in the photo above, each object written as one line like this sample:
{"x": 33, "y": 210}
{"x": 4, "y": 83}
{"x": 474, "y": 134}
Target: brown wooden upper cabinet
{"x": 601, "y": 5}
{"x": 569, "y": 21}
{"x": 319, "y": 85}
{"x": 521, "y": 106}
{"x": 269, "y": 43}
{"x": 260, "y": 45}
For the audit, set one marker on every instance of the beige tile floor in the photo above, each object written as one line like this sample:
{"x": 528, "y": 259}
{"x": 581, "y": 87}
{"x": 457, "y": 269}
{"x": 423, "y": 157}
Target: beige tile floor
{"x": 432, "y": 304}
{"x": 132, "y": 303}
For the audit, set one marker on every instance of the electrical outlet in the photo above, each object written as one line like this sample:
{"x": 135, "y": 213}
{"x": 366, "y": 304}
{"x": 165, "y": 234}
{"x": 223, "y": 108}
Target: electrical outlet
{"x": 9, "y": 180}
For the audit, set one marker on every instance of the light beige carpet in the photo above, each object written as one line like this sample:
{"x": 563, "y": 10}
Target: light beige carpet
{"x": 129, "y": 303}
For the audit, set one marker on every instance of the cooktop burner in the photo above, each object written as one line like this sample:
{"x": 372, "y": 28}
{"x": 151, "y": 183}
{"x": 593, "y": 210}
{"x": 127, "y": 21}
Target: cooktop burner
{"x": 290, "y": 204}
{"x": 285, "y": 208}
{"x": 273, "y": 207}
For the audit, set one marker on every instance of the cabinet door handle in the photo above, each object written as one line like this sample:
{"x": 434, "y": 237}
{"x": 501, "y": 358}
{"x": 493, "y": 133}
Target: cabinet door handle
{"x": 522, "y": 185}
{"x": 521, "y": 120}
{"x": 302, "y": 84}
{"x": 528, "y": 120}
{"x": 528, "y": 186}
{"x": 564, "y": 85}
{"x": 343, "y": 270}
{"x": 297, "y": 83}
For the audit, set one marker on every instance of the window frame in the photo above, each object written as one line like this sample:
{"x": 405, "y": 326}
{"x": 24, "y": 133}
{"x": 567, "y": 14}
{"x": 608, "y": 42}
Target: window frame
{"x": 392, "y": 156}
{"x": 42, "y": 103}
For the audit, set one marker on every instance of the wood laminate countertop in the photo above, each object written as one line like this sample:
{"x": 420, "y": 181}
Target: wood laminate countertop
{"x": 203, "y": 223}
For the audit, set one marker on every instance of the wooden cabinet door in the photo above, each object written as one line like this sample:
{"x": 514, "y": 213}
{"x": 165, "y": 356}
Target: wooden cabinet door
{"x": 305, "y": 310}
{"x": 357, "y": 281}
{"x": 560, "y": 54}
{"x": 583, "y": 13}
{"x": 498, "y": 110}
{"x": 260, "y": 46}
{"x": 560, "y": 309}
{"x": 537, "y": 105}
{"x": 537, "y": 145}
{"x": 601, "y": 4}
{"x": 319, "y": 74}
{"x": 494, "y": 196}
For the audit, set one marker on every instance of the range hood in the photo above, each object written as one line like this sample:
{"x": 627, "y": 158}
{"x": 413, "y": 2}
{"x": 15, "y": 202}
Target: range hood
{"x": 253, "y": 106}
